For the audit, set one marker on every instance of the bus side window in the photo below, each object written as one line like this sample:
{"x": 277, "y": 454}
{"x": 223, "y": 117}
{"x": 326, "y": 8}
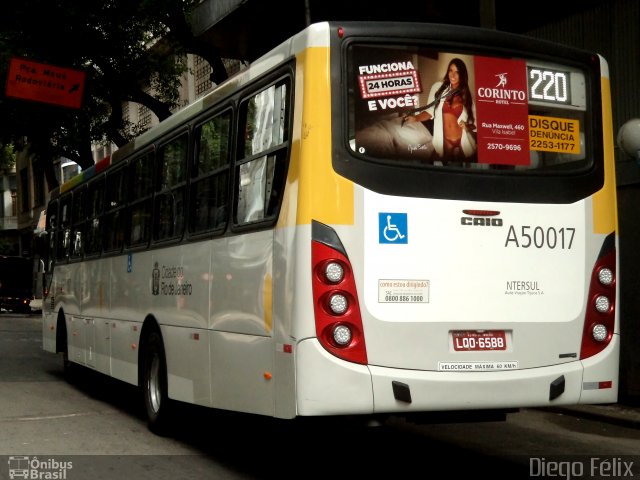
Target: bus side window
{"x": 170, "y": 208}
{"x": 141, "y": 190}
{"x": 114, "y": 223}
{"x": 210, "y": 176}
{"x": 93, "y": 243}
{"x": 78, "y": 218}
{"x": 64, "y": 229}
{"x": 261, "y": 172}
{"x": 51, "y": 229}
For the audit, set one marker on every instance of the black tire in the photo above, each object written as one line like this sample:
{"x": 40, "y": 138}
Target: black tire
{"x": 69, "y": 369}
{"x": 67, "y": 365}
{"x": 154, "y": 385}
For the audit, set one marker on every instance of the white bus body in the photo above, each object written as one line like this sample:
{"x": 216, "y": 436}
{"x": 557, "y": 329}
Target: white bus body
{"x": 466, "y": 300}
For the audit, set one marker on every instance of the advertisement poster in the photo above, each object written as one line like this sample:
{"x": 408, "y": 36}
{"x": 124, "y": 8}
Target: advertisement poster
{"x": 502, "y": 108}
{"x": 415, "y": 107}
{"x": 443, "y": 108}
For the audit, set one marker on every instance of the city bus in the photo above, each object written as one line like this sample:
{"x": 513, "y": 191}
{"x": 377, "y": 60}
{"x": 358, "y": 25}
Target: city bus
{"x": 301, "y": 243}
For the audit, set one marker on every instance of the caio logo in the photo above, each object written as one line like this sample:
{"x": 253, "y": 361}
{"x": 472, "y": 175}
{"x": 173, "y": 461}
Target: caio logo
{"x": 481, "y": 218}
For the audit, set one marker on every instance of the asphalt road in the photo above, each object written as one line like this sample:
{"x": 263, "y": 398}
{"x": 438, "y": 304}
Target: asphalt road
{"x": 96, "y": 423}
{"x": 94, "y": 428}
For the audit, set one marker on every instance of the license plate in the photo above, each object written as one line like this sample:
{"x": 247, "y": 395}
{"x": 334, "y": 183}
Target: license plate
{"x": 473, "y": 341}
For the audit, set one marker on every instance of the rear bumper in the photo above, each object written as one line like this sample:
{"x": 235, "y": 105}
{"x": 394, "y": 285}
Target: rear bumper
{"x": 327, "y": 385}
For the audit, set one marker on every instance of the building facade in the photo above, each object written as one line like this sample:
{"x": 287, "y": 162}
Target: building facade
{"x": 9, "y": 241}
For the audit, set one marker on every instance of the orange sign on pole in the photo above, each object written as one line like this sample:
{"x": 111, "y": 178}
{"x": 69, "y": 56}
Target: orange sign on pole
{"x": 40, "y": 82}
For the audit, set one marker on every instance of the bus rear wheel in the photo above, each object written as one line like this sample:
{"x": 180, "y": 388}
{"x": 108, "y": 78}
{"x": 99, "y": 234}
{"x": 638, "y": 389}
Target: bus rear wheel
{"x": 69, "y": 368}
{"x": 154, "y": 385}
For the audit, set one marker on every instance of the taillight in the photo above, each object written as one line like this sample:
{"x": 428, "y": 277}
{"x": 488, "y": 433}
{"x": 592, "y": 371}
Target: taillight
{"x": 336, "y": 307}
{"x": 601, "y": 303}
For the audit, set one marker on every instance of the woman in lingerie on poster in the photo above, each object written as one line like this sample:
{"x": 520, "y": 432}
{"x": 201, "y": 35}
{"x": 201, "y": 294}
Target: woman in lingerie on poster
{"x": 451, "y": 108}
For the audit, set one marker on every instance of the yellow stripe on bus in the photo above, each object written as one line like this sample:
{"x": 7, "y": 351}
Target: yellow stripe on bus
{"x": 267, "y": 302}
{"x": 605, "y": 218}
{"x": 321, "y": 194}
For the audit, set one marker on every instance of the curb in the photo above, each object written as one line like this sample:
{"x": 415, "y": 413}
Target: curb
{"x": 614, "y": 414}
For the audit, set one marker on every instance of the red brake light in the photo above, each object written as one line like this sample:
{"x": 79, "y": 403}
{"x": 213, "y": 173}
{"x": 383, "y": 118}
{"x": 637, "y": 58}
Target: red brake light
{"x": 599, "y": 322}
{"x": 337, "y": 310}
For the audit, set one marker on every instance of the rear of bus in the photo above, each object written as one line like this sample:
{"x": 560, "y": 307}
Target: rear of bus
{"x": 477, "y": 280}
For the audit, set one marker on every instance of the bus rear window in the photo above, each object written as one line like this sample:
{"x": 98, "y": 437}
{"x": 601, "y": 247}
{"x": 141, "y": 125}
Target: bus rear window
{"x": 459, "y": 110}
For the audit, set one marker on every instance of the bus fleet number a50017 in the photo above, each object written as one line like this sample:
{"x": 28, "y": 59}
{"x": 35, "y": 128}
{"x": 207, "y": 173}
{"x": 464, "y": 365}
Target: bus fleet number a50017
{"x": 527, "y": 236}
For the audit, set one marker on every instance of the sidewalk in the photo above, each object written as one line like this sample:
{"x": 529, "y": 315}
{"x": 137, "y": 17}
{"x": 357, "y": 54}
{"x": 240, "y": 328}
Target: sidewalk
{"x": 616, "y": 414}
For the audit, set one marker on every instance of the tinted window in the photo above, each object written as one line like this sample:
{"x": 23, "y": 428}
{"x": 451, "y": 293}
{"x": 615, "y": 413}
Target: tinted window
{"x": 424, "y": 106}
{"x": 210, "y": 183}
{"x": 170, "y": 208}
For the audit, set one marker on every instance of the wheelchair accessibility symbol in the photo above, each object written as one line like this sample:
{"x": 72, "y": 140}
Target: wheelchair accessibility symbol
{"x": 392, "y": 227}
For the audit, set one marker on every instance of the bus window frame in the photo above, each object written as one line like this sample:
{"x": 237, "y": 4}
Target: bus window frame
{"x": 96, "y": 183}
{"x": 78, "y": 206}
{"x": 445, "y": 183}
{"x": 147, "y": 198}
{"x": 118, "y": 211}
{"x": 196, "y": 177}
{"x": 51, "y": 229}
{"x": 285, "y": 75}
{"x": 65, "y": 222}
{"x": 160, "y": 190}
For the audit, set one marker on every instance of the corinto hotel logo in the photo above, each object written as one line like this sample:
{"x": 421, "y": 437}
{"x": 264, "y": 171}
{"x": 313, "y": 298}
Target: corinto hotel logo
{"x": 500, "y": 93}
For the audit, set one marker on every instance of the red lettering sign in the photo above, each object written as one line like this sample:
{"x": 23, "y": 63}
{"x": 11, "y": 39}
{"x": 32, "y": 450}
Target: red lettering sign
{"x": 40, "y": 82}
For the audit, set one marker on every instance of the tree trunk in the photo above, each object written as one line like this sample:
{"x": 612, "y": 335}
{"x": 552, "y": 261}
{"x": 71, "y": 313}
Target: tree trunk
{"x": 49, "y": 173}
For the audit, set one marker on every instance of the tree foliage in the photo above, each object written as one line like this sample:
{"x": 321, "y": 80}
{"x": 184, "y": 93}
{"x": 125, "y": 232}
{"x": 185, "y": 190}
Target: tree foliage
{"x": 127, "y": 48}
{"x": 7, "y": 157}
